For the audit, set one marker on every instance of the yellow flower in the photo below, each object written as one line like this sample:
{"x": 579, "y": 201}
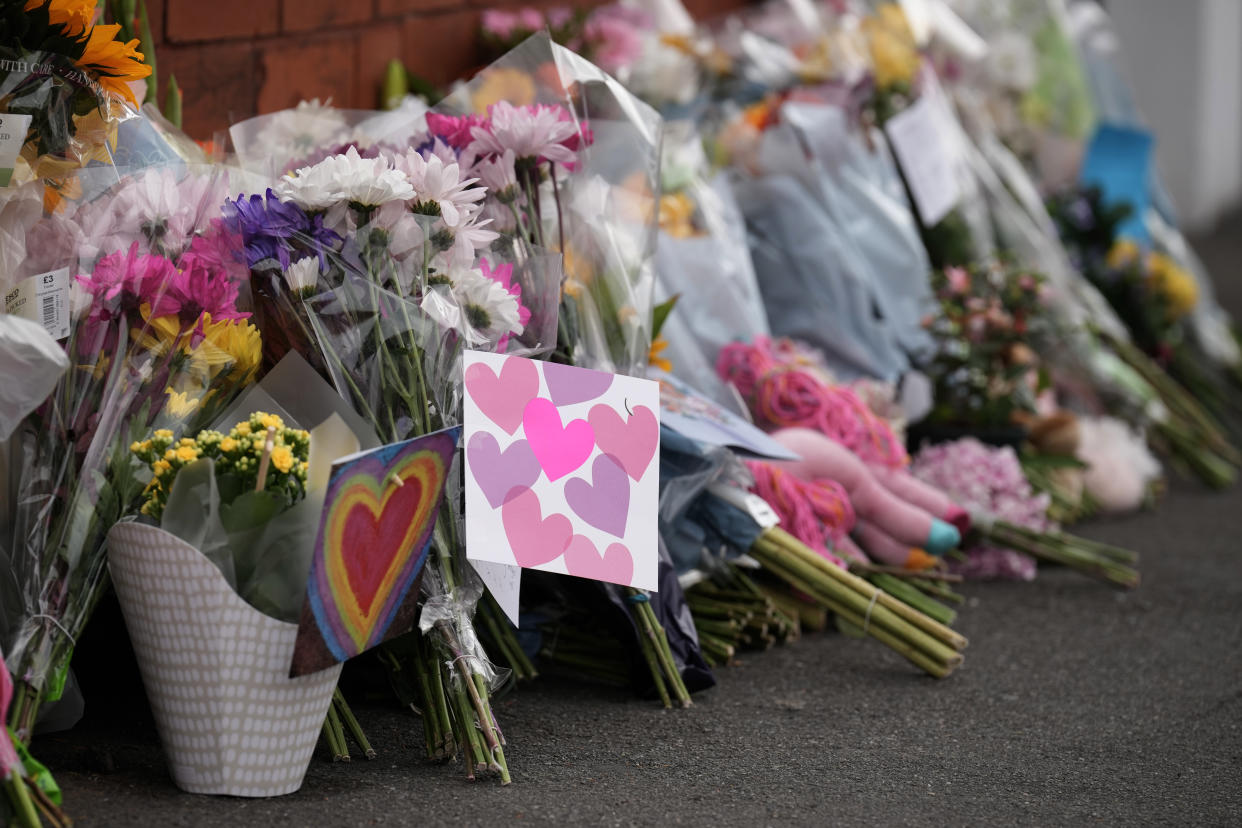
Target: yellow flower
{"x": 654, "y": 355}
{"x": 228, "y": 444}
{"x": 1173, "y": 283}
{"x": 577, "y": 267}
{"x": 74, "y": 16}
{"x": 1124, "y": 252}
{"x": 271, "y": 421}
{"x": 503, "y": 83}
{"x": 282, "y": 458}
{"x": 187, "y": 454}
{"x": 677, "y": 215}
{"x": 161, "y": 466}
{"x": 113, "y": 63}
{"x": 894, "y": 55}
{"x": 893, "y": 17}
{"x": 233, "y": 343}
{"x": 242, "y": 429}
{"x": 181, "y": 405}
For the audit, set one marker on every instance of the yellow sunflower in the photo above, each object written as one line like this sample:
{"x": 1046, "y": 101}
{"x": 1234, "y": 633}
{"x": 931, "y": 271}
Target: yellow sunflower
{"x": 114, "y": 63}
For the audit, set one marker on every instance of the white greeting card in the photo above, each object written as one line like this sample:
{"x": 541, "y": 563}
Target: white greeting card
{"x": 562, "y": 469}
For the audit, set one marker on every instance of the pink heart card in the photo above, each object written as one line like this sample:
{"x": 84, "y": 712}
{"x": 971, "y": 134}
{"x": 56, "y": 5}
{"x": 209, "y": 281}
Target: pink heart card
{"x": 562, "y": 469}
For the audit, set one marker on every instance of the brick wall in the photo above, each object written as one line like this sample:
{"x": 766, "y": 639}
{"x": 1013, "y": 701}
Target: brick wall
{"x": 237, "y": 58}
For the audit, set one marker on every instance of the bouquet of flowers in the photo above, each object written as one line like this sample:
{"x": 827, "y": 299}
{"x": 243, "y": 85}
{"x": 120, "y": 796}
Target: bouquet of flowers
{"x": 1010, "y": 520}
{"x": 64, "y": 85}
{"x": 702, "y": 260}
{"x": 156, "y": 337}
{"x": 984, "y": 373}
{"x": 378, "y": 268}
{"x": 570, "y": 160}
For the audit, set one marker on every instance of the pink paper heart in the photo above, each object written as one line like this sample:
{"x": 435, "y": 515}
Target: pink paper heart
{"x": 503, "y": 398}
{"x": 559, "y": 449}
{"x": 616, "y": 566}
{"x": 534, "y": 539}
{"x": 568, "y": 384}
{"x": 633, "y": 442}
{"x": 605, "y": 501}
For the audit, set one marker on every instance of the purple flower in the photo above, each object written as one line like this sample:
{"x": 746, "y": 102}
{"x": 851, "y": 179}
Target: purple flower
{"x": 274, "y": 229}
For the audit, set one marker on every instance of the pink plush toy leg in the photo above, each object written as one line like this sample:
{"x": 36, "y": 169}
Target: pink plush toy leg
{"x": 884, "y": 548}
{"x": 912, "y": 490}
{"x": 823, "y": 457}
{"x": 848, "y": 551}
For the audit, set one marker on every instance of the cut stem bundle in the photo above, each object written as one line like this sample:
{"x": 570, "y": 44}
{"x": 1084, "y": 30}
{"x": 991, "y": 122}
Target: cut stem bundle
{"x": 1110, "y": 564}
{"x": 924, "y": 641}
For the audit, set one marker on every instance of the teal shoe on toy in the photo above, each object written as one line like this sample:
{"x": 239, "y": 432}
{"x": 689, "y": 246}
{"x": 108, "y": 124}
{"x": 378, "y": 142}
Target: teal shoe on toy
{"x": 942, "y": 537}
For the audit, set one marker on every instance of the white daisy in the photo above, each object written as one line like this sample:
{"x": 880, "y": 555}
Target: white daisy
{"x": 295, "y": 133}
{"x": 302, "y": 276}
{"x": 489, "y": 311}
{"x": 438, "y": 187}
{"x": 348, "y": 178}
{"x": 154, "y": 208}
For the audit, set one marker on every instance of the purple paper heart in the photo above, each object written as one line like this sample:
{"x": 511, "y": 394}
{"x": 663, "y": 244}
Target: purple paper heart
{"x": 605, "y": 502}
{"x": 500, "y": 473}
{"x": 568, "y": 385}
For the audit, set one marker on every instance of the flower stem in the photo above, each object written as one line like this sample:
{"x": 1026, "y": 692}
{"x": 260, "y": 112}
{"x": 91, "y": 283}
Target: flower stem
{"x": 25, "y": 813}
{"x": 351, "y": 722}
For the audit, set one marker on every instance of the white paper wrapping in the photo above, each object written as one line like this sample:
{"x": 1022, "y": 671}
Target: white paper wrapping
{"x": 216, "y": 670}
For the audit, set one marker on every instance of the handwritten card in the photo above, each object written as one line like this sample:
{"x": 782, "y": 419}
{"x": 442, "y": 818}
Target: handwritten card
{"x": 374, "y": 532}
{"x": 921, "y": 138}
{"x": 693, "y": 415}
{"x": 562, "y": 469}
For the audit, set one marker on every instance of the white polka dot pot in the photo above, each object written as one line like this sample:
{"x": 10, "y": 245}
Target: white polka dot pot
{"x": 216, "y": 670}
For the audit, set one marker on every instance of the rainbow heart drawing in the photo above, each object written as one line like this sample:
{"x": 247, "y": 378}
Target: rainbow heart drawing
{"x": 374, "y": 532}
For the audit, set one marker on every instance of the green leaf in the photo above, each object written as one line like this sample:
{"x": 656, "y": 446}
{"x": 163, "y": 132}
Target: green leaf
{"x": 250, "y": 510}
{"x": 396, "y": 85}
{"x": 1051, "y": 461}
{"x": 146, "y": 45}
{"x": 172, "y": 102}
{"x": 659, "y": 314}
{"x": 37, "y": 771}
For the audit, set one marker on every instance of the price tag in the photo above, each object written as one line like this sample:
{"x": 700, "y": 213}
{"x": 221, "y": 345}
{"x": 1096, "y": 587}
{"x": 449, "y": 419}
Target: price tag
{"x": 13, "y": 129}
{"x": 920, "y": 139}
{"x": 43, "y": 299}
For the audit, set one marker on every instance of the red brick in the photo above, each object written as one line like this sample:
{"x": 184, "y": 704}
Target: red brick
{"x": 294, "y": 70}
{"x": 155, "y": 14}
{"x": 308, "y": 15}
{"x": 394, "y": 8}
{"x": 219, "y": 84}
{"x": 377, "y": 45}
{"x": 709, "y": 10}
{"x": 187, "y": 21}
{"x": 442, "y": 47}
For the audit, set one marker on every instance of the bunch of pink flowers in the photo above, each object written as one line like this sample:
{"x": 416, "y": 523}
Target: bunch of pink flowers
{"x": 988, "y": 482}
